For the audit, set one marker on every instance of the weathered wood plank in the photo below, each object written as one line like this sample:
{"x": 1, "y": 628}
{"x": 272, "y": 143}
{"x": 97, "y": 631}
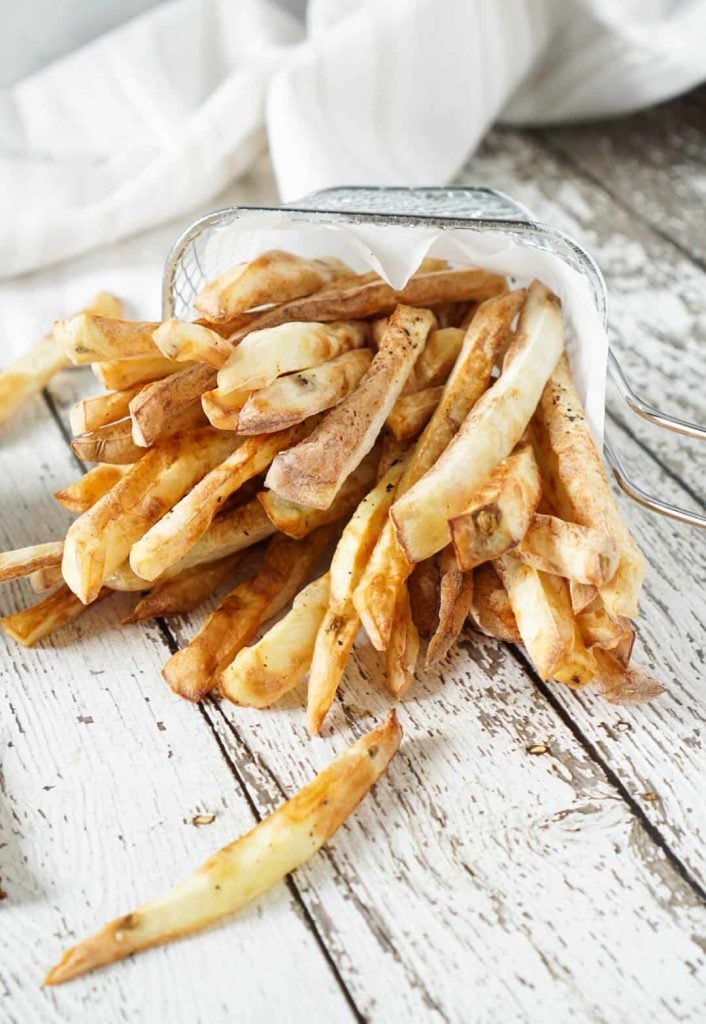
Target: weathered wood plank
{"x": 657, "y": 296}
{"x": 102, "y": 772}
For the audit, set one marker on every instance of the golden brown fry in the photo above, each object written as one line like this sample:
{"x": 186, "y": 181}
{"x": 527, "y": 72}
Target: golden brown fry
{"x": 246, "y": 868}
{"x": 312, "y": 472}
{"x": 33, "y": 624}
{"x": 223, "y": 408}
{"x": 169, "y": 539}
{"x": 120, "y": 374}
{"x": 423, "y": 586}
{"x": 259, "y": 675}
{"x": 403, "y": 649}
{"x": 184, "y": 592}
{"x": 100, "y": 540}
{"x": 578, "y": 486}
{"x": 155, "y": 406}
{"x": 111, "y": 444}
{"x": 439, "y": 355}
{"x": 23, "y": 561}
{"x": 362, "y": 301}
{"x": 621, "y": 685}
{"x": 542, "y": 609}
{"x": 191, "y": 672}
{"x": 581, "y": 595}
{"x": 87, "y": 338}
{"x": 298, "y": 520}
{"x": 455, "y": 597}
{"x": 32, "y": 371}
{"x": 598, "y": 629}
{"x": 86, "y": 491}
{"x": 294, "y": 398}
{"x": 263, "y": 356}
{"x": 487, "y": 435}
{"x": 491, "y": 611}
{"x": 411, "y": 412}
{"x": 500, "y": 512}
{"x": 42, "y": 580}
{"x": 332, "y": 647}
{"x": 275, "y": 276}
{"x": 91, "y": 413}
{"x": 183, "y": 341}
{"x": 388, "y": 568}
{"x": 578, "y": 552}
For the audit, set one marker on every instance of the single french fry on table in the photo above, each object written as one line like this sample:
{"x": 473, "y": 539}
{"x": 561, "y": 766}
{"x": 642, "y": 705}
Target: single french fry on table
{"x": 86, "y": 491}
{"x": 274, "y": 276}
{"x": 24, "y": 561}
{"x": 33, "y": 624}
{"x": 297, "y": 520}
{"x": 312, "y": 472}
{"x": 91, "y": 413}
{"x": 403, "y": 649}
{"x": 542, "y": 609}
{"x": 121, "y": 374}
{"x": 192, "y": 671}
{"x": 295, "y": 397}
{"x": 500, "y": 512}
{"x": 259, "y": 675}
{"x": 578, "y": 487}
{"x": 339, "y": 627}
{"x": 491, "y": 611}
{"x": 101, "y": 539}
{"x": 265, "y": 355}
{"x": 170, "y": 538}
{"x": 185, "y": 591}
{"x": 42, "y": 580}
{"x": 583, "y": 553}
{"x": 32, "y": 371}
{"x": 248, "y": 867}
{"x": 488, "y": 434}
{"x": 455, "y": 598}
{"x": 388, "y": 568}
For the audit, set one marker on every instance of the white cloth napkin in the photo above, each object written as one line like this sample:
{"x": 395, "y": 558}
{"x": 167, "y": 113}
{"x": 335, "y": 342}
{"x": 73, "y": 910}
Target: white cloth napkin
{"x": 155, "y": 119}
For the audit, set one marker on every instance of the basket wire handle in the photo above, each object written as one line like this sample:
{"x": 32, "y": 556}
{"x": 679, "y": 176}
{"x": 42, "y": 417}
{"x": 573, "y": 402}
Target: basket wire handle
{"x": 647, "y": 411}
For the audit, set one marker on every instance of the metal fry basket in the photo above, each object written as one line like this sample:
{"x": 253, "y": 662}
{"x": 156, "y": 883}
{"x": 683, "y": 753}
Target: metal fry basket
{"x": 205, "y": 250}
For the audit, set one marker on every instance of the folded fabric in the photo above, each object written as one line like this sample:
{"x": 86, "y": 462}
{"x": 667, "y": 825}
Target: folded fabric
{"x": 159, "y": 116}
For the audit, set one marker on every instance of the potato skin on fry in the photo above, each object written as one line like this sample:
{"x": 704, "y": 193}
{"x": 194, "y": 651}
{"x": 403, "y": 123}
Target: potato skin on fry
{"x": 403, "y": 649}
{"x": 249, "y": 866}
{"x": 23, "y": 561}
{"x": 455, "y": 597}
{"x": 491, "y": 611}
{"x": 33, "y": 624}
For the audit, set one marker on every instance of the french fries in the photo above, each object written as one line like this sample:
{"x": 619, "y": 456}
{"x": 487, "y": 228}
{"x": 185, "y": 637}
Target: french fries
{"x": 403, "y": 648}
{"x": 293, "y": 398}
{"x": 411, "y": 413}
{"x": 582, "y": 594}
{"x": 88, "y": 338}
{"x": 439, "y": 355}
{"x": 33, "y": 370}
{"x": 455, "y": 597}
{"x": 582, "y": 553}
{"x": 91, "y": 413}
{"x": 259, "y": 675}
{"x": 423, "y": 586}
{"x": 223, "y": 408}
{"x": 389, "y": 566}
{"x": 542, "y": 609}
{"x": 185, "y": 342}
{"x": 265, "y": 355}
{"x": 23, "y": 561}
{"x": 111, "y": 444}
{"x": 192, "y": 671}
{"x": 500, "y": 512}
{"x": 99, "y": 540}
{"x": 623, "y": 686}
{"x": 170, "y": 538}
{"x": 340, "y": 625}
{"x": 297, "y": 520}
{"x": 491, "y": 611}
{"x": 578, "y": 486}
{"x": 275, "y": 276}
{"x": 155, "y": 406}
{"x": 312, "y": 472}
{"x": 248, "y": 867}
{"x": 33, "y": 624}
{"x": 487, "y": 435}
{"x": 598, "y": 629}
{"x": 183, "y": 592}
{"x": 120, "y": 374}
{"x": 86, "y": 491}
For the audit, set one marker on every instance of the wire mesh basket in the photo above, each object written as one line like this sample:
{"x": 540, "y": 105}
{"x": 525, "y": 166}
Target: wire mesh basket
{"x": 205, "y": 249}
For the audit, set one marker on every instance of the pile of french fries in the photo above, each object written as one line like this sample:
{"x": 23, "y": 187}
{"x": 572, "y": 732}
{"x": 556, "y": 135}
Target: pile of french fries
{"x": 339, "y": 456}
{"x": 396, "y": 461}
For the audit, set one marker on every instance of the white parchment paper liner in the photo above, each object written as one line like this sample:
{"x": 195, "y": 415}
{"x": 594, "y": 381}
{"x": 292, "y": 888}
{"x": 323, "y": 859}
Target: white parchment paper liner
{"x": 395, "y": 252}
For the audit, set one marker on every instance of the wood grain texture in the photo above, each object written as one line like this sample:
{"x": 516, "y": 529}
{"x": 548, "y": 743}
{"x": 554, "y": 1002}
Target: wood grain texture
{"x": 478, "y": 882}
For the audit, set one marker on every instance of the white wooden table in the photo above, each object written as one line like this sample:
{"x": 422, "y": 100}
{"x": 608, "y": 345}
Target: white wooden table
{"x": 479, "y": 883}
